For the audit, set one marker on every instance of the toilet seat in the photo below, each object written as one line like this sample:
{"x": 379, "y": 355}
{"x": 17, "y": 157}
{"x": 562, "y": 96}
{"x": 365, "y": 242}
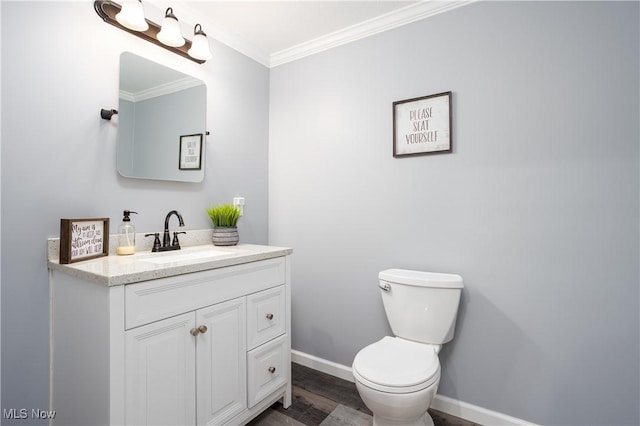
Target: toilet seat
{"x": 395, "y": 365}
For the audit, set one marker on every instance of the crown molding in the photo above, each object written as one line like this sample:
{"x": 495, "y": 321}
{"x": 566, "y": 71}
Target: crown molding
{"x": 388, "y": 21}
{"x": 160, "y": 90}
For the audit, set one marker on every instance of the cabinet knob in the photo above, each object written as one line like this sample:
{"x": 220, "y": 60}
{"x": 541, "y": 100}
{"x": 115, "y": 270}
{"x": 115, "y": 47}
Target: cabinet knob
{"x": 272, "y": 370}
{"x": 195, "y": 331}
{"x": 269, "y": 316}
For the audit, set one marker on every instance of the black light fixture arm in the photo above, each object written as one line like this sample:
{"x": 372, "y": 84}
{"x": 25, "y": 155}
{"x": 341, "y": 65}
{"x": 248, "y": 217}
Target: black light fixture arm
{"x": 107, "y": 10}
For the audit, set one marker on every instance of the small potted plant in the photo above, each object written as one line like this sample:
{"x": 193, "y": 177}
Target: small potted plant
{"x": 224, "y": 218}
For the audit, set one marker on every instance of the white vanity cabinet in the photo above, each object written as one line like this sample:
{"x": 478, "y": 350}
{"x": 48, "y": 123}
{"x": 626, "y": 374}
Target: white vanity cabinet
{"x": 203, "y": 348}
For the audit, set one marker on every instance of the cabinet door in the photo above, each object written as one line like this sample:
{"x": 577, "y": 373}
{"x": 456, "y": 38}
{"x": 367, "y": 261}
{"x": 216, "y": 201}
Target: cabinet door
{"x": 221, "y": 362}
{"x": 160, "y": 373}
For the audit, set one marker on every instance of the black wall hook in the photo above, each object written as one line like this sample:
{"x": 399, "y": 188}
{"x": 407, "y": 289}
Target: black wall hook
{"x": 107, "y": 113}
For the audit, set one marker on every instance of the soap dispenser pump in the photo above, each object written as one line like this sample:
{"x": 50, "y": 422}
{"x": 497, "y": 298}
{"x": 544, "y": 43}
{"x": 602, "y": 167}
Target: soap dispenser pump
{"x": 126, "y": 235}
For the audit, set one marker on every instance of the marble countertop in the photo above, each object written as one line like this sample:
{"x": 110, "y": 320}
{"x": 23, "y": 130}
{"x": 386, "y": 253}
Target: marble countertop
{"x": 115, "y": 270}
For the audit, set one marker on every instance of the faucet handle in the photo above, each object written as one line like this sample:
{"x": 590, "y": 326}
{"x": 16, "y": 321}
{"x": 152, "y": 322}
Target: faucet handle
{"x": 156, "y": 241}
{"x": 175, "y": 241}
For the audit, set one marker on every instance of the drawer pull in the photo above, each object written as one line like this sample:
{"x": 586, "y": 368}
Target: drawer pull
{"x": 272, "y": 370}
{"x": 269, "y": 316}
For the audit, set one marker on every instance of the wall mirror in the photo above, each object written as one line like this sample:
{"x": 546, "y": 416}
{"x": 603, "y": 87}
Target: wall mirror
{"x": 161, "y": 122}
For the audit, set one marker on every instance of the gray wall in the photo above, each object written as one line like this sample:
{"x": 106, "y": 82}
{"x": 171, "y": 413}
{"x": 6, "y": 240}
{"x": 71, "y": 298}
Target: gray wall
{"x": 60, "y": 66}
{"x": 537, "y": 207}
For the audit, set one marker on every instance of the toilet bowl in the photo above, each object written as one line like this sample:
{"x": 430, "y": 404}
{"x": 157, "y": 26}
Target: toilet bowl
{"x": 397, "y": 377}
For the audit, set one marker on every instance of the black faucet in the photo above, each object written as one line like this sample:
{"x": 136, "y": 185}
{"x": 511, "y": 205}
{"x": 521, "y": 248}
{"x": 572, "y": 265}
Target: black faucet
{"x": 166, "y": 239}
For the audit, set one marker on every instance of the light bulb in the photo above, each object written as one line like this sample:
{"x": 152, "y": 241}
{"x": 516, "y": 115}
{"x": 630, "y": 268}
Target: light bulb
{"x": 199, "y": 45}
{"x": 170, "y": 33}
{"x": 132, "y": 16}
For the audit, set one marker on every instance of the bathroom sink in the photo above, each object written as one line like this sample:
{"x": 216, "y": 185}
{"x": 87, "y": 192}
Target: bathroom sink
{"x": 187, "y": 255}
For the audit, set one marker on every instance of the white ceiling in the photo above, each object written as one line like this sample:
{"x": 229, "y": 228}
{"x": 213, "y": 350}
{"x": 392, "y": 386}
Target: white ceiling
{"x": 276, "y": 32}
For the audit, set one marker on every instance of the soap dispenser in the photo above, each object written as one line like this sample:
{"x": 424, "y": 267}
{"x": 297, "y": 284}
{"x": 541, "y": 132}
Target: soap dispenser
{"x": 126, "y": 235}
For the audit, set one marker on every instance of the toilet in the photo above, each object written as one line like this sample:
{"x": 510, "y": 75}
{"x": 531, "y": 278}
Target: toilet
{"x": 397, "y": 377}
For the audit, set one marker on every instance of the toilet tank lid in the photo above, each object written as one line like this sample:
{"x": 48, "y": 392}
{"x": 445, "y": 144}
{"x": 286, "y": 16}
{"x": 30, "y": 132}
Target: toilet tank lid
{"x": 423, "y": 279}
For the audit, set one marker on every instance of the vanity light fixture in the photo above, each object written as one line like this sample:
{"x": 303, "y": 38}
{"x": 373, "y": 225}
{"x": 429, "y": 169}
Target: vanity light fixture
{"x": 132, "y": 15}
{"x": 198, "y": 51}
{"x": 170, "y": 32}
{"x": 200, "y": 45}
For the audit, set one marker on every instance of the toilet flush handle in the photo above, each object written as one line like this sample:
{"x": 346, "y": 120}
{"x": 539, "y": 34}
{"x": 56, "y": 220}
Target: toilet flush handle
{"x": 384, "y": 286}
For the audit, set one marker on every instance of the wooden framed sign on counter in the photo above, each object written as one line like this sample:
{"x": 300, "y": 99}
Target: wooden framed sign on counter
{"x": 83, "y": 239}
{"x": 422, "y": 125}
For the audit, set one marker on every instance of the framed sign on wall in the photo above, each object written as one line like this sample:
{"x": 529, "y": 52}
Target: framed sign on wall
{"x": 422, "y": 125}
{"x": 190, "y": 152}
{"x": 83, "y": 239}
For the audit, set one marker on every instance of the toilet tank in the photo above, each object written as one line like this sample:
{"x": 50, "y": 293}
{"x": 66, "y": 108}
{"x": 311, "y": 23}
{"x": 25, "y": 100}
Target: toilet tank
{"x": 421, "y": 306}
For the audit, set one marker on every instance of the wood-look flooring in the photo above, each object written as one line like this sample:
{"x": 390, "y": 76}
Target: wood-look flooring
{"x": 320, "y": 399}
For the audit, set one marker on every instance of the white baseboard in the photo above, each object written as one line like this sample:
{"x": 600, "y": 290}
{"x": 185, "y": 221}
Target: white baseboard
{"x": 474, "y": 413}
{"x": 338, "y": 370}
{"x": 442, "y": 403}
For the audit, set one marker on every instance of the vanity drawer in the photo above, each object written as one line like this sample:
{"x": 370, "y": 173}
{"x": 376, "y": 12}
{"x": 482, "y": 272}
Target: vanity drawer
{"x": 267, "y": 369}
{"x": 266, "y": 316}
{"x": 151, "y": 301}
